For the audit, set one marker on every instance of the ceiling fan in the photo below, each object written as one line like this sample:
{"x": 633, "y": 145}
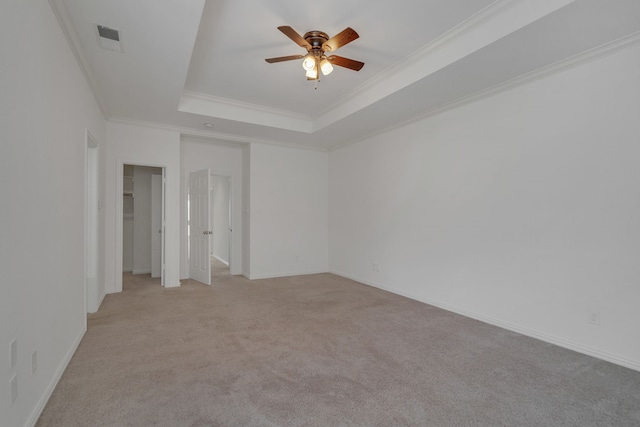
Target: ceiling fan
{"x": 318, "y": 44}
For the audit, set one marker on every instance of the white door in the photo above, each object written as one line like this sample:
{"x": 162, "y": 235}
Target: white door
{"x": 212, "y": 212}
{"x": 156, "y": 225}
{"x": 163, "y": 239}
{"x": 199, "y": 226}
{"x": 93, "y": 296}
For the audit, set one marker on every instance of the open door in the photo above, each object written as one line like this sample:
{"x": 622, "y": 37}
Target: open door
{"x": 199, "y": 226}
{"x": 163, "y": 240}
{"x": 93, "y": 294}
{"x": 156, "y": 225}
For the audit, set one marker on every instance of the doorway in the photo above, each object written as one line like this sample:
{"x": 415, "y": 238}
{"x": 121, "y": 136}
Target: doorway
{"x": 209, "y": 225}
{"x": 143, "y": 222}
{"x": 220, "y": 211}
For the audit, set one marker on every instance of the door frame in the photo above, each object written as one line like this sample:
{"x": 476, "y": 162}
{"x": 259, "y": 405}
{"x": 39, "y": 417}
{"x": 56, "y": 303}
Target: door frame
{"x": 119, "y": 216}
{"x": 92, "y": 299}
{"x": 157, "y": 261}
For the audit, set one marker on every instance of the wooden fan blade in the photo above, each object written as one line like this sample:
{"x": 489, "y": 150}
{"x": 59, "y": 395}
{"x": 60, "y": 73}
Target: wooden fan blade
{"x": 284, "y": 58}
{"x": 345, "y": 36}
{"x": 293, "y": 35}
{"x": 346, "y": 62}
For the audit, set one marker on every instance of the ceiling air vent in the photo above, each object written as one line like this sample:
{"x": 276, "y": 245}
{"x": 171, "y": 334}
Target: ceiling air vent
{"x": 109, "y": 38}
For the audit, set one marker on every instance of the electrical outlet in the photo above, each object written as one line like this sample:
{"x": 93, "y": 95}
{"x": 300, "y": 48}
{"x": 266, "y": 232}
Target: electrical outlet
{"x": 34, "y": 362}
{"x": 375, "y": 267}
{"x": 13, "y": 384}
{"x": 593, "y": 317}
{"x": 13, "y": 349}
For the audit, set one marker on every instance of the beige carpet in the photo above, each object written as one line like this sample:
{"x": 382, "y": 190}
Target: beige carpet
{"x": 321, "y": 350}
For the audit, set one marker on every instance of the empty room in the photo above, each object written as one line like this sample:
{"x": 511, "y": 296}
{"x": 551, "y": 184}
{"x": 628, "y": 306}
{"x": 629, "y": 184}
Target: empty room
{"x": 361, "y": 213}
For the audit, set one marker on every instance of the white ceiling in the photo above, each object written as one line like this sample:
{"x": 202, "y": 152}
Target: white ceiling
{"x": 189, "y": 62}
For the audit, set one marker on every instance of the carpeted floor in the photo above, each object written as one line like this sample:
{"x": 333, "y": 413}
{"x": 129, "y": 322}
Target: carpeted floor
{"x": 321, "y": 350}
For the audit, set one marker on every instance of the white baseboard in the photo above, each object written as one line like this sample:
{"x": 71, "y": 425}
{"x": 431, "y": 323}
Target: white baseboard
{"x": 221, "y": 260}
{"x": 288, "y": 274}
{"x": 101, "y": 299}
{"x": 172, "y": 284}
{"x": 542, "y": 336}
{"x": 35, "y": 414}
{"x": 98, "y": 304}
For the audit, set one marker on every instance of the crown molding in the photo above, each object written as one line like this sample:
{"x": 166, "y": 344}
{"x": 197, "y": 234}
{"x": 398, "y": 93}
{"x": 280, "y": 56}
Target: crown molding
{"x": 239, "y": 104}
{"x": 213, "y": 106}
{"x": 472, "y": 22}
{"x": 439, "y": 53}
{"x": 204, "y": 140}
{"x": 198, "y": 103}
{"x": 593, "y": 54}
{"x": 212, "y": 135}
{"x": 500, "y": 18}
{"x": 573, "y": 61}
{"x": 64, "y": 21}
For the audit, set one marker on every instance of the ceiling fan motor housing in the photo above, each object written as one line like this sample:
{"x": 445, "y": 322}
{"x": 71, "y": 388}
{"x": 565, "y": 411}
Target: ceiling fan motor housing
{"x": 316, "y": 39}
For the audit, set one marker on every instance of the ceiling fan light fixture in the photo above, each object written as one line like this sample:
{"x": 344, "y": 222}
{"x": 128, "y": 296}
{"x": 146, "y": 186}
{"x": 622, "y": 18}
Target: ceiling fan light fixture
{"x": 312, "y": 73}
{"x": 317, "y": 43}
{"x": 326, "y": 66}
{"x": 309, "y": 62}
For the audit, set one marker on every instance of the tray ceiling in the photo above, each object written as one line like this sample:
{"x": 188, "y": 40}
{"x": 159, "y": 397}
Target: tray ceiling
{"x": 186, "y": 63}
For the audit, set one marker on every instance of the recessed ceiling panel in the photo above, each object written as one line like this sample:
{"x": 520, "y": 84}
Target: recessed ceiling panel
{"x": 236, "y": 36}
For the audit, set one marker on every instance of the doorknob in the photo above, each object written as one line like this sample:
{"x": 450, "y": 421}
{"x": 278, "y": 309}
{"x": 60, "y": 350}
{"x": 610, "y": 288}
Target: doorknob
{"x": 205, "y": 232}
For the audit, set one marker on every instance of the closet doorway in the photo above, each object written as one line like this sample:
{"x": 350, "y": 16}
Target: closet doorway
{"x": 143, "y": 221}
{"x": 209, "y": 227}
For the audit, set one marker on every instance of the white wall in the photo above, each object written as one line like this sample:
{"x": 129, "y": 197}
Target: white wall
{"x": 220, "y": 217}
{"x": 222, "y": 158}
{"x": 45, "y": 109}
{"x": 520, "y": 209}
{"x": 141, "y": 145}
{"x": 288, "y": 217}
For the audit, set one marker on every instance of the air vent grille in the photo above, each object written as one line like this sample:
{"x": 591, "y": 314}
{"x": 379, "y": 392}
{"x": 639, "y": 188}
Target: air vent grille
{"x": 108, "y": 33}
{"x": 108, "y": 38}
